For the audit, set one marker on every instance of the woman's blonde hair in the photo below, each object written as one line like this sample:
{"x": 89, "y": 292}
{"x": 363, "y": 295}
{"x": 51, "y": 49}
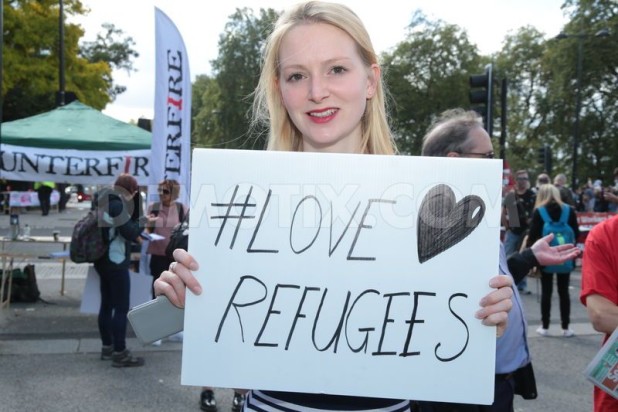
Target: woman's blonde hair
{"x": 547, "y": 193}
{"x": 268, "y": 107}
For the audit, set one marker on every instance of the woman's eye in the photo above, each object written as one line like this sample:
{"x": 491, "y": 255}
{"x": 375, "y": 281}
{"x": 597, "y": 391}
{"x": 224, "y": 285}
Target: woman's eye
{"x": 295, "y": 77}
{"x": 338, "y": 69}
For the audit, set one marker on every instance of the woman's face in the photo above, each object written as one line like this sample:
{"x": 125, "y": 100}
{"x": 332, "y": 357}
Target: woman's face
{"x": 165, "y": 195}
{"x": 324, "y": 86}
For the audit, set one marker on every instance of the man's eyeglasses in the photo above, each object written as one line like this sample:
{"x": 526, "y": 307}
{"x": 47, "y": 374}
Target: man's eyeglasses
{"x": 488, "y": 155}
{"x": 164, "y": 192}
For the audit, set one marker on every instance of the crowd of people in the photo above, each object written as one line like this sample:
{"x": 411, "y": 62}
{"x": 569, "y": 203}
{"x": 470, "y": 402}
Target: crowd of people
{"x": 321, "y": 90}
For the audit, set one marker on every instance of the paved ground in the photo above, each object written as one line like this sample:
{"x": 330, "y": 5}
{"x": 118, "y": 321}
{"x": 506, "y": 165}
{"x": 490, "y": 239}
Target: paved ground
{"x": 49, "y": 351}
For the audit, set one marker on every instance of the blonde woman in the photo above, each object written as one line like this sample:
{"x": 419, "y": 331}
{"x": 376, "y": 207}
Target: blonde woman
{"x": 549, "y": 205}
{"x": 320, "y": 90}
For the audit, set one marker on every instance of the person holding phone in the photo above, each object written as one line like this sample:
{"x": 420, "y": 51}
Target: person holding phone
{"x": 320, "y": 90}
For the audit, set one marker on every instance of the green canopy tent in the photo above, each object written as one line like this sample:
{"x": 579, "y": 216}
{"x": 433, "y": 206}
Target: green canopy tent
{"x": 74, "y": 144}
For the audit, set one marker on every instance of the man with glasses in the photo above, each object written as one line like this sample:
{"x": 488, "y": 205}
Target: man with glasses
{"x": 517, "y": 207}
{"x": 459, "y": 133}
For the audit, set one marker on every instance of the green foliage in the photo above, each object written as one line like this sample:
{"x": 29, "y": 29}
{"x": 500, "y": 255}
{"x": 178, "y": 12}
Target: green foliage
{"x": 520, "y": 61}
{"x": 224, "y": 101}
{"x": 31, "y": 68}
{"x": 543, "y": 89}
{"x": 426, "y": 74}
{"x": 112, "y": 49}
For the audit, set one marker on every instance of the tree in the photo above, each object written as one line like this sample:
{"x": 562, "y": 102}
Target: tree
{"x": 223, "y": 116}
{"x": 112, "y": 49}
{"x": 207, "y": 130}
{"x": 521, "y": 61}
{"x": 426, "y": 74}
{"x": 598, "y": 129}
{"x": 30, "y": 57}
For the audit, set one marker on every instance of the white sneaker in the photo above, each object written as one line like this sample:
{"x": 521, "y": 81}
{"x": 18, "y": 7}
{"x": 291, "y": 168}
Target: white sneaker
{"x": 176, "y": 337}
{"x": 542, "y": 331}
{"x": 567, "y": 333}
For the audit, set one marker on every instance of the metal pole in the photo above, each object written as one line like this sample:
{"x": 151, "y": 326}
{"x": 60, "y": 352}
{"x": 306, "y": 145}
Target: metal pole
{"x": 503, "y": 95}
{"x": 489, "y": 70}
{"x": 61, "y": 84}
{"x": 578, "y": 103}
{"x": 1, "y": 63}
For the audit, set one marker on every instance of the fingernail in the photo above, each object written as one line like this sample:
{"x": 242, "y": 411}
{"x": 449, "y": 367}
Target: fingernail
{"x": 198, "y": 290}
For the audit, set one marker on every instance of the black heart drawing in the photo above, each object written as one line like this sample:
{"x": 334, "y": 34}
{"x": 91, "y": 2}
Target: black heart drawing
{"x": 442, "y": 223}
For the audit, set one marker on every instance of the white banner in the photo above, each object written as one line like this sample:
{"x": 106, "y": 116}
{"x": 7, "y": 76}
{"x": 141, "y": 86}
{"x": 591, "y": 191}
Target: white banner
{"x": 343, "y": 274}
{"x": 171, "y": 127}
{"x": 23, "y": 199}
{"x": 89, "y": 167}
{"x": 141, "y": 291}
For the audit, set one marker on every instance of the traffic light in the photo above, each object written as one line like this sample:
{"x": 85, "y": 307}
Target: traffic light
{"x": 482, "y": 96}
{"x": 144, "y": 123}
{"x": 545, "y": 158}
{"x": 541, "y": 156}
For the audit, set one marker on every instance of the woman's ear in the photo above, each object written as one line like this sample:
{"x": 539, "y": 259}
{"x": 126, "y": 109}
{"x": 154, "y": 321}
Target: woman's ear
{"x": 373, "y": 79}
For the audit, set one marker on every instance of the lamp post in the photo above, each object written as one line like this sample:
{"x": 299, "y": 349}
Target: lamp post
{"x": 61, "y": 84}
{"x": 578, "y": 97}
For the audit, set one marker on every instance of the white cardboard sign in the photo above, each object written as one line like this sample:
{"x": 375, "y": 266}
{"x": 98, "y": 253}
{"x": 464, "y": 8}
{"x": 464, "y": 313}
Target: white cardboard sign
{"x": 342, "y": 274}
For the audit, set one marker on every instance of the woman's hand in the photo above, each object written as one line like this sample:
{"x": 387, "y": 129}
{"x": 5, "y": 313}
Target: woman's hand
{"x": 553, "y": 255}
{"x": 172, "y": 282}
{"x": 496, "y": 305}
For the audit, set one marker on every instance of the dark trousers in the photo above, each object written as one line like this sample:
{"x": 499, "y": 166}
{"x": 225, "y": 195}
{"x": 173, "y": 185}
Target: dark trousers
{"x": 44, "y": 194}
{"x": 115, "y": 293}
{"x": 547, "y": 284}
{"x": 64, "y": 197}
{"x": 504, "y": 392}
{"x": 157, "y": 265}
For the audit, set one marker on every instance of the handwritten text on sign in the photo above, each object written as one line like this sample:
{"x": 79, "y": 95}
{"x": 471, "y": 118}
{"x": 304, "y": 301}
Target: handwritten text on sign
{"x": 344, "y": 274}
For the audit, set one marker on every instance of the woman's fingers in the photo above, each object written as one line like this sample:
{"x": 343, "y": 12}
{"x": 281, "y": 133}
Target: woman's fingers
{"x": 170, "y": 285}
{"x": 174, "y": 281}
{"x": 182, "y": 256}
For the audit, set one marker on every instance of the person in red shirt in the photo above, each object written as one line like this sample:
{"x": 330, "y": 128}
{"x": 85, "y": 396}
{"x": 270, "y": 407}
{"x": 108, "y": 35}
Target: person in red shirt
{"x": 600, "y": 290}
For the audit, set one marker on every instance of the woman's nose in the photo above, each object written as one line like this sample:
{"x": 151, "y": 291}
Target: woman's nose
{"x": 318, "y": 89}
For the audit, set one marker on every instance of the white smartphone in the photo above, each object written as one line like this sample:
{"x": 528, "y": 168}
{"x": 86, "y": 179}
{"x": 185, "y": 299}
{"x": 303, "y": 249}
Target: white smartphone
{"x": 156, "y": 319}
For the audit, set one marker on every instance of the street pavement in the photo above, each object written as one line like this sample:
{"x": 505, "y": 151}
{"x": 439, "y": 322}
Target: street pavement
{"x": 49, "y": 351}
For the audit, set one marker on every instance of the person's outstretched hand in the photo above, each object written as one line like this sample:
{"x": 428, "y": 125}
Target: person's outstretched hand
{"x": 172, "y": 282}
{"x": 553, "y": 255}
{"x": 496, "y": 305}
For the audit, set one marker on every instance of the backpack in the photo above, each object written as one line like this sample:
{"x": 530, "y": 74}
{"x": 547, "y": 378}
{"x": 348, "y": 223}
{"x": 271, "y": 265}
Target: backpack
{"x": 24, "y": 287}
{"x": 88, "y": 243}
{"x": 563, "y": 233}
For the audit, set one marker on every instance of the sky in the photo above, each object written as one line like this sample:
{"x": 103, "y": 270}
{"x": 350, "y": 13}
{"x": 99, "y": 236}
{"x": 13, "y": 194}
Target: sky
{"x": 201, "y": 22}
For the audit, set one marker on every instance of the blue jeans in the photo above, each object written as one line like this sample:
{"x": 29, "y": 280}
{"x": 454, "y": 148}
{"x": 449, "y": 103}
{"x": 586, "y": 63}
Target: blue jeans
{"x": 115, "y": 292}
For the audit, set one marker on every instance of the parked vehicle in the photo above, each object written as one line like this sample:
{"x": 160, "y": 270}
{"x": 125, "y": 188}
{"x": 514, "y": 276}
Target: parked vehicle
{"x": 81, "y": 192}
